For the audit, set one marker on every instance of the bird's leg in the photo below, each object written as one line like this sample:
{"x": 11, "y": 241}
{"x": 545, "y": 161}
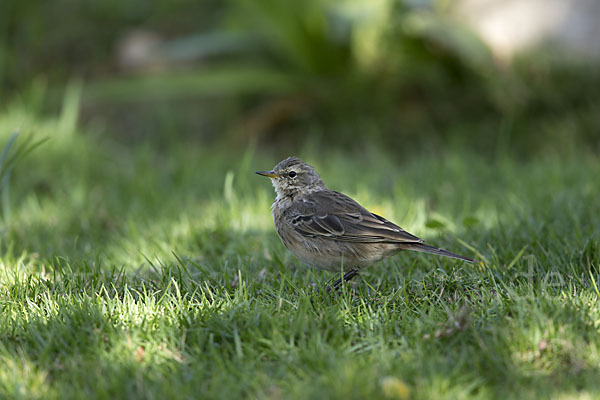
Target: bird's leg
{"x": 347, "y": 276}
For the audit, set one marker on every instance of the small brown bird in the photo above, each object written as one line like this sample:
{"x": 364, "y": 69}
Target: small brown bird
{"x": 329, "y": 230}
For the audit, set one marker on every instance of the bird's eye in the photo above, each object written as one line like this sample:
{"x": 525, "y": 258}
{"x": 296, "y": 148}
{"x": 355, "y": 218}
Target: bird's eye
{"x": 292, "y": 174}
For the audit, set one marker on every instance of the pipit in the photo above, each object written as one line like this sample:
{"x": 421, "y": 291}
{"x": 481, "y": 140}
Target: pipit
{"x": 329, "y": 230}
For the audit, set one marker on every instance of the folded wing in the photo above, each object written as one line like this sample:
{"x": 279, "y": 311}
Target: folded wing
{"x": 329, "y": 214}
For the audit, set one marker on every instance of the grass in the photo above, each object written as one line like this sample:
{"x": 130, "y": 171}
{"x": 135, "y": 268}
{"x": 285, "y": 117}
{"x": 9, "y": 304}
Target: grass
{"x": 155, "y": 272}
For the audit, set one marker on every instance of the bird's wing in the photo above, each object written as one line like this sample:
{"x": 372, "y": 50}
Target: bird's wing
{"x": 333, "y": 215}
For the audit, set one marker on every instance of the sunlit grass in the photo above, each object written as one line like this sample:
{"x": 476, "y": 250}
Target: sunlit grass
{"x": 156, "y": 272}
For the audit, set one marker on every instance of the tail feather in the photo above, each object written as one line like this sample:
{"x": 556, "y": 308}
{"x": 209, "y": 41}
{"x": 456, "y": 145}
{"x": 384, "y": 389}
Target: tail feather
{"x": 425, "y": 248}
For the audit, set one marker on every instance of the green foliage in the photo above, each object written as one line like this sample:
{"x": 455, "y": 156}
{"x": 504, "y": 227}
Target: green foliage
{"x": 399, "y": 74}
{"x": 12, "y": 153}
{"x": 342, "y": 67}
{"x": 63, "y": 38}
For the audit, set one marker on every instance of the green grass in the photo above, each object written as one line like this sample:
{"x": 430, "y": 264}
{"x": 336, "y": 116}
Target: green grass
{"x": 155, "y": 272}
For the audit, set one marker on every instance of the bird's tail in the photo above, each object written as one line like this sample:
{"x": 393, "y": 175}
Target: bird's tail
{"x": 425, "y": 248}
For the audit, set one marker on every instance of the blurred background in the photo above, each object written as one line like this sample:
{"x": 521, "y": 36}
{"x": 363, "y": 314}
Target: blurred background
{"x": 516, "y": 77}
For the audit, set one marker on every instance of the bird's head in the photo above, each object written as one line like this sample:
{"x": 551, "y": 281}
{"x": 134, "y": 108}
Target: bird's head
{"x": 293, "y": 176}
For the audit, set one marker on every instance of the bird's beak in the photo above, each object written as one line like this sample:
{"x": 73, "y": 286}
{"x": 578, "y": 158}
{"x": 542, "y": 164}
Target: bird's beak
{"x": 269, "y": 174}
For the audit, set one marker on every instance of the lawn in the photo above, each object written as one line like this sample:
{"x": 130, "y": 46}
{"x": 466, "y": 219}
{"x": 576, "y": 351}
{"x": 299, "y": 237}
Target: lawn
{"x": 152, "y": 270}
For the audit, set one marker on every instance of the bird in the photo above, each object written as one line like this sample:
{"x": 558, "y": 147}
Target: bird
{"x": 329, "y": 230}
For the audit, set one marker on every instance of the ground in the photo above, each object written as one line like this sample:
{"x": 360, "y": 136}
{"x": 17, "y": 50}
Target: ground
{"x": 144, "y": 271}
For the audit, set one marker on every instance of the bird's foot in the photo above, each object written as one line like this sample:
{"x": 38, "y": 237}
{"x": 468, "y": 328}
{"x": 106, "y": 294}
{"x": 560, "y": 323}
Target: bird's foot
{"x": 347, "y": 277}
